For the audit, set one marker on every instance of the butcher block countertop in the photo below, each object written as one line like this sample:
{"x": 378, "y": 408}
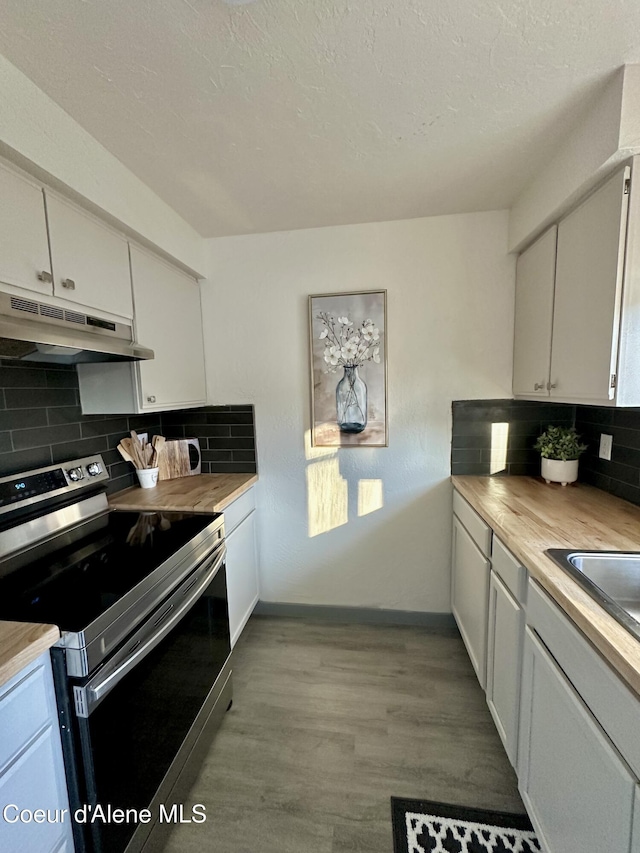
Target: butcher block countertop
{"x": 197, "y": 493}
{"x": 21, "y": 643}
{"x": 530, "y": 516}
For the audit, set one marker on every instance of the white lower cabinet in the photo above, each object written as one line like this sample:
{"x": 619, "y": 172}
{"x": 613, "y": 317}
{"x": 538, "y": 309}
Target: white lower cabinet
{"x": 32, "y": 776}
{"x": 505, "y": 629}
{"x": 504, "y": 656}
{"x": 567, "y": 721}
{"x": 579, "y": 754}
{"x": 242, "y": 562}
{"x": 470, "y": 570}
{"x": 578, "y": 791}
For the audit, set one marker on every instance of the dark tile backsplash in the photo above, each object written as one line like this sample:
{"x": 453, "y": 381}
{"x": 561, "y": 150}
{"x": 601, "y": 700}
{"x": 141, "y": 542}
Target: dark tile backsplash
{"x": 471, "y": 442}
{"x": 226, "y": 434}
{"x": 621, "y": 476}
{"x": 41, "y": 423}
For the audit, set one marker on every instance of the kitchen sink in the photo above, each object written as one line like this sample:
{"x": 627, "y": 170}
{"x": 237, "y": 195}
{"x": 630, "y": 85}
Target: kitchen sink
{"x": 611, "y": 577}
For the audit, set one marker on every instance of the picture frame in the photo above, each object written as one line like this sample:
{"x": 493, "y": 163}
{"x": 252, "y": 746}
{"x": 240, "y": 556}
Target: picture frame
{"x": 348, "y": 362}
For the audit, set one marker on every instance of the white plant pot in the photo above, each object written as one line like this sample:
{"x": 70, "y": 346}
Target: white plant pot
{"x": 557, "y": 471}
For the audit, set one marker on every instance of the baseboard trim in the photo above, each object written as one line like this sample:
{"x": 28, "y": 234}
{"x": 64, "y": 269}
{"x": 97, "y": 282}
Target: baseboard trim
{"x": 436, "y": 622}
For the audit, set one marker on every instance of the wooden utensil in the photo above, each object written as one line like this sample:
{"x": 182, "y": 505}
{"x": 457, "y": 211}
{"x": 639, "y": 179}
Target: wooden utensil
{"x": 129, "y": 446}
{"x": 136, "y": 451}
{"x": 158, "y": 447}
{"x": 125, "y": 453}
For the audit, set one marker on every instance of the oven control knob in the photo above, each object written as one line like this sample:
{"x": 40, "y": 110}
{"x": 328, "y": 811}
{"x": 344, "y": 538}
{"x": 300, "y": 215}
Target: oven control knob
{"x": 94, "y": 468}
{"x": 75, "y": 474}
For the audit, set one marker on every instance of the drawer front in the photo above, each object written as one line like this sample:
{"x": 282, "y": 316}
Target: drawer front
{"x": 475, "y": 526}
{"x": 512, "y": 574}
{"x": 24, "y": 709}
{"x": 238, "y": 511}
{"x": 610, "y": 701}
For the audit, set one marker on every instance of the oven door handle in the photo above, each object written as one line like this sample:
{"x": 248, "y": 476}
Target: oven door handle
{"x": 87, "y": 697}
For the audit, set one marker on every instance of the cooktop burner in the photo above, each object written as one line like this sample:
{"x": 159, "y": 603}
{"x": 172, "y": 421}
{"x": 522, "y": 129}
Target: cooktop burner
{"x": 73, "y": 579}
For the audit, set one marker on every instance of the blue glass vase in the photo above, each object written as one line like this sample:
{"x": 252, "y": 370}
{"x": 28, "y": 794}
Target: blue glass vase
{"x": 351, "y": 401}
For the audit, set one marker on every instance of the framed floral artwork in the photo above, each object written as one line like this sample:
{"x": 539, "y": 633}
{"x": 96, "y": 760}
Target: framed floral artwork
{"x": 348, "y": 334}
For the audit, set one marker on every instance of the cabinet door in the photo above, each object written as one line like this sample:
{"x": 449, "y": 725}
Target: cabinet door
{"x": 24, "y": 250}
{"x": 169, "y": 320}
{"x": 90, "y": 261}
{"x": 588, "y": 295}
{"x": 535, "y": 283}
{"x": 504, "y": 655}
{"x": 242, "y": 575}
{"x": 470, "y": 596}
{"x": 578, "y": 792}
{"x": 635, "y": 832}
{"x": 31, "y": 765}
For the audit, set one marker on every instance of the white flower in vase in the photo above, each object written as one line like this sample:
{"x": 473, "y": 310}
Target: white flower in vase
{"x": 370, "y": 332}
{"x": 349, "y": 347}
{"x": 346, "y": 345}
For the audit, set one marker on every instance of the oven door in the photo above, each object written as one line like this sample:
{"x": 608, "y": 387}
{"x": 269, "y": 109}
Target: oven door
{"x": 134, "y": 714}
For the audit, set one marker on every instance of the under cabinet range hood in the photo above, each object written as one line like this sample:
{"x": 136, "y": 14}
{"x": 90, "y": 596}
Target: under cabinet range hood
{"x": 36, "y": 331}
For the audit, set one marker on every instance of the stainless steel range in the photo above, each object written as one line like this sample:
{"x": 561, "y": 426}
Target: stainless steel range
{"x": 142, "y": 670}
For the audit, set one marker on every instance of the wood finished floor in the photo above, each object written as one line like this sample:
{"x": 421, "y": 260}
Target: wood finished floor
{"x": 328, "y": 722}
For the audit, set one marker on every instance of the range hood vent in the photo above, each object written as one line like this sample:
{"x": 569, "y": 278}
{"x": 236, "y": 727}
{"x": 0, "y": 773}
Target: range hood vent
{"x": 38, "y": 331}
{"x": 25, "y": 305}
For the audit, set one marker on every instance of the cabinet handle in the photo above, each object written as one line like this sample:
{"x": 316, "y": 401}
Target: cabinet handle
{"x": 538, "y": 386}
{"x": 45, "y": 276}
{"x": 151, "y": 398}
{"x": 551, "y": 385}
{"x": 68, "y": 283}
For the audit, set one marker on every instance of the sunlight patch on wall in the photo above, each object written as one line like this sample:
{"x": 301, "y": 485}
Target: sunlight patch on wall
{"x": 316, "y": 452}
{"x": 499, "y": 444}
{"x": 370, "y": 496}
{"x": 327, "y": 496}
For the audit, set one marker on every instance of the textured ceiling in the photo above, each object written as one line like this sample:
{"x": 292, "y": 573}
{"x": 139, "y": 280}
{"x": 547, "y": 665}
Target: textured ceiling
{"x": 286, "y": 114}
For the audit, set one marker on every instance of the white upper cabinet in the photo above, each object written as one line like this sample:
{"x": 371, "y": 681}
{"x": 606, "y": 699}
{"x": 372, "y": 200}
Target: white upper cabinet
{"x": 168, "y": 320}
{"x": 535, "y": 282}
{"x": 594, "y": 326}
{"x": 586, "y": 316}
{"x": 24, "y": 250}
{"x": 52, "y": 247}
{"x": 90, "y": 261}
{"x": 59, "y": 250}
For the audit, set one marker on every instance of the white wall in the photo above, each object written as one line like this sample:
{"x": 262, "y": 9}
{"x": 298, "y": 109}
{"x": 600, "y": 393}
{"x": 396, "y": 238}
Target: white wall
{"x": 607, "y": 135}
{"x": 450, "y": 290}
{"x": 41, "y": 137}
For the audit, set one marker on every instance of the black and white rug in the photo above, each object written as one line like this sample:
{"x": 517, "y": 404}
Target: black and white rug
{"x": 421, "y": 826}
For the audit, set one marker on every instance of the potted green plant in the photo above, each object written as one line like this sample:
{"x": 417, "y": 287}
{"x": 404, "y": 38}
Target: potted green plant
{"x": 560, "y": 449}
